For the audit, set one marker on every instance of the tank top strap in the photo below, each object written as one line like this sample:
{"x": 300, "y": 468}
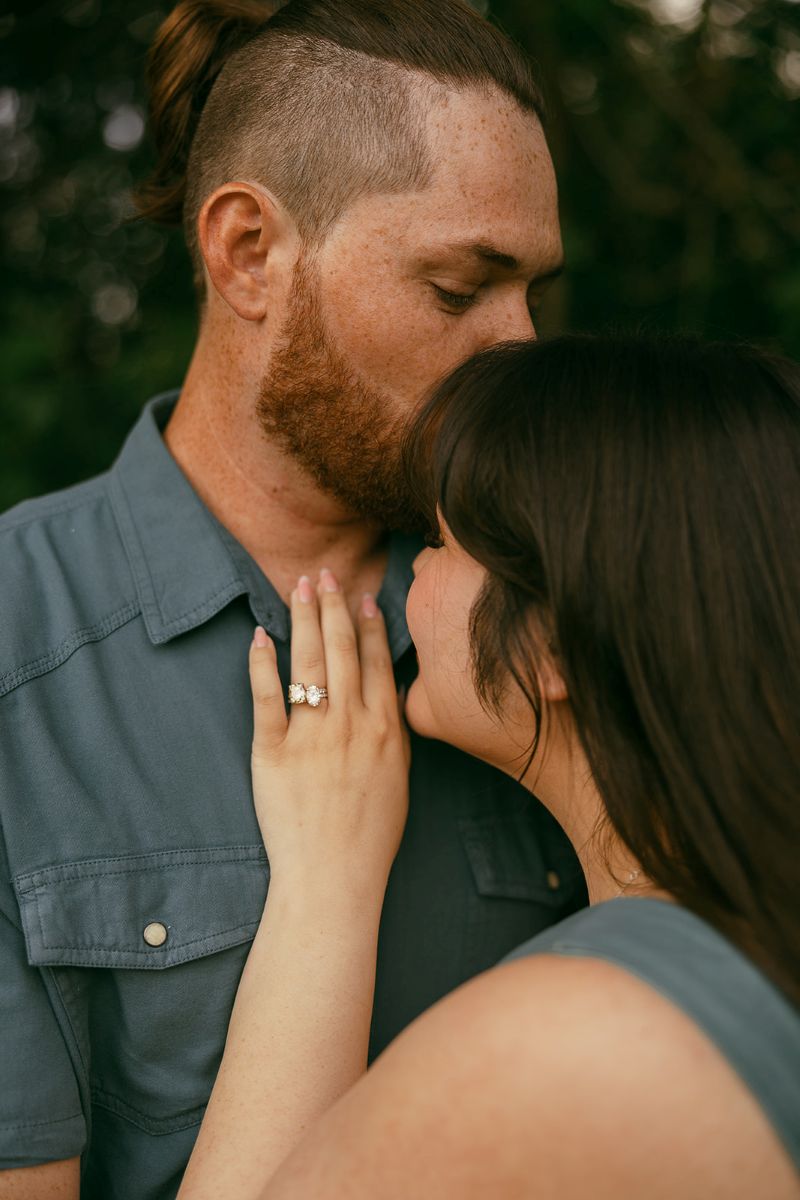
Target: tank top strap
{"x": 685, "y": 959}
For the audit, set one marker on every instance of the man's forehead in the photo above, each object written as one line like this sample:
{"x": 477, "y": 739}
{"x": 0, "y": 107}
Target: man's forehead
{"x": 493, "y": 196}
{"x": 479, "y": 130}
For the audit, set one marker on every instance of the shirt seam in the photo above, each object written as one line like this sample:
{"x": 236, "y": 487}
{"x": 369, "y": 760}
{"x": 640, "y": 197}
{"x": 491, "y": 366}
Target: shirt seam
{"x": 72, "y": 1043}
{"x": 111, "y": 1102}
{"x": 51, "y": 510}
{"x": 41, "y": 1124}
{"x": 134, "y": 552}
{"x": 242, "y": 928}
{"x": 241, "y": 853}
{"x": 176, "y": 948}
{"x": 80, "y": 637}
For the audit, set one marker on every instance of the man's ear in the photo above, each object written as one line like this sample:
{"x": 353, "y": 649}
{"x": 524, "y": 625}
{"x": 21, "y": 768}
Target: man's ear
{"x": 237, "y": 228}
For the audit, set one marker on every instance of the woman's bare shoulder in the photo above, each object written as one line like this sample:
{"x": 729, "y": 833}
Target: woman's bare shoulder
{"x": 547, "y": 1075}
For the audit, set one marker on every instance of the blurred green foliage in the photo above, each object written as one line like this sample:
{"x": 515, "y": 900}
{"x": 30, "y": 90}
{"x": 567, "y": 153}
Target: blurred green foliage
{"x": 676, "y": 133}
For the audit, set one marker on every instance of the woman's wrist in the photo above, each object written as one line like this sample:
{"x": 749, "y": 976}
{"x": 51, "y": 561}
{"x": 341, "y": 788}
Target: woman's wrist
{"x": 328, "y": 901}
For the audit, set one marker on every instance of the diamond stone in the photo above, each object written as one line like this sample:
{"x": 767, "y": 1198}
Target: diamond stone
{"x": 297, "y": 693}
{"x": 313, "y": 695}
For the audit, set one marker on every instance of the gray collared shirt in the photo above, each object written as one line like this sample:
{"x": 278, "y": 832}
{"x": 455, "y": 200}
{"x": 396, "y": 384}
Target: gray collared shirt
{"x": 132, "y": 871}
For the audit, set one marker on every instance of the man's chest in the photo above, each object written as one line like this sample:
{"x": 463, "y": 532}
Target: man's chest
{"x": 141, "y": 875}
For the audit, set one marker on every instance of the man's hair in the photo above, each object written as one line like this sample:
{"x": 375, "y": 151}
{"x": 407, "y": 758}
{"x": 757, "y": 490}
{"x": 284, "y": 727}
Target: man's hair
{"x": 321, "y": 101}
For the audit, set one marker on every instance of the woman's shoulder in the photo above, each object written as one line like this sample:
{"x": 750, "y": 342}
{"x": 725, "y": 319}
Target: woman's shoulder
{"x": 705, "y": 975}
{"x": 579, "y": 1052}
{"x": 559, "y": 1075}
{"x": 550, "y": 1009}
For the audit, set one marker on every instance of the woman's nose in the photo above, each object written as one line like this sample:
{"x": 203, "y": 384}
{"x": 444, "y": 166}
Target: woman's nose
{"x": 419, "y": 560}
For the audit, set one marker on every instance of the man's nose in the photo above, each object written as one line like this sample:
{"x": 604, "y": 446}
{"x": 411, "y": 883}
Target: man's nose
{"x": 510, "y": 322}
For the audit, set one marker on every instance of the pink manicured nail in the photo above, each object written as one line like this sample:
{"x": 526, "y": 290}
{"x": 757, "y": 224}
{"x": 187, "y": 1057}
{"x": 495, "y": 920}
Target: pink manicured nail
{"x": 368, "y": 605}
{"x": 260, "y": 638}
{"x": 304, "y": 589}
{"x": 328, "y": 580}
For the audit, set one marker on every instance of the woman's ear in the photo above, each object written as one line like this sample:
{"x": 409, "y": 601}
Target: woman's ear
{"x": 238, "y": 228}
{"x": 551, "y": 681}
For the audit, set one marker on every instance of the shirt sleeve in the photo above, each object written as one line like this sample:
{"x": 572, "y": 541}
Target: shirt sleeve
{"x": 40, "y": 1110}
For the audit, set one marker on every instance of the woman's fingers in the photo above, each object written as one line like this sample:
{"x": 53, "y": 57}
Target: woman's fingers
{"x": 341, "y": 646}
{"x": 377, "y": 672}
{"x": 327, "y": 651}
{"x": 308, "y": 652}
{"x": 269, "y": 712}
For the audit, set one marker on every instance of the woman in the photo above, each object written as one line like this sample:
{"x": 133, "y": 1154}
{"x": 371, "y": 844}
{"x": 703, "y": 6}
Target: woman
{"x": 613, "y": 615}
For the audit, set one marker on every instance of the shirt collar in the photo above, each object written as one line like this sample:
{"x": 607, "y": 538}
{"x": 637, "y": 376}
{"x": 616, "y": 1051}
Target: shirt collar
{"x": 187, "y": 567}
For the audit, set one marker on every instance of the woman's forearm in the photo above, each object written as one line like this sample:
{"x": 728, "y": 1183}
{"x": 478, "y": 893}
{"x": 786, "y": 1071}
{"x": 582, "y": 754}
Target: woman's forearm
{"x": 330, "y": 789}
{"x": 298, "y": 1035}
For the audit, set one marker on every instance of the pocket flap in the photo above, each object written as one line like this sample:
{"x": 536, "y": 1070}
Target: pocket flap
{"x": 143, "y": 910}
{"x": 521, "y": 855}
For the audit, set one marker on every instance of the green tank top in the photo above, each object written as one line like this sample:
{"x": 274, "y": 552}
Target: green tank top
{"x": 742, "y": 1012}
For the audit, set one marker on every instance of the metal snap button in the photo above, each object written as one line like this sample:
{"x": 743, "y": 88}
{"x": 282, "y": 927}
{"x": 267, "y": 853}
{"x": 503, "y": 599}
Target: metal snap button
{"x": 155, "y": 934}
{"x": 553, "y": 880}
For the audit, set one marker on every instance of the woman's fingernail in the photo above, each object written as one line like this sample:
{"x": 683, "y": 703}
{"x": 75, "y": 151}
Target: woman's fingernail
{"x": 328, "y": 580}
{"x": 368, "y": 605}
{"x": 260, "y": 638}
{"x": 304, "y": 589}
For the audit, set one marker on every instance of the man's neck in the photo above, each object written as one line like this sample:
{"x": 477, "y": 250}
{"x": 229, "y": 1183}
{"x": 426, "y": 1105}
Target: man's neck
{"x": 271, "y": 507}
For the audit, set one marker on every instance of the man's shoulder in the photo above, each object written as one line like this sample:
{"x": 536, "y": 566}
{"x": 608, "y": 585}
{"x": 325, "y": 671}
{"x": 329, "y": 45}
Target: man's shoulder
{"x": 65, "y": 577}
{"x": 23, "y": 523}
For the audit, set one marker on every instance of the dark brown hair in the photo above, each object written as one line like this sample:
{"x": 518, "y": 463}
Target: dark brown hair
{"x": 636, "y": 503}
{"x": 320, "y": 100}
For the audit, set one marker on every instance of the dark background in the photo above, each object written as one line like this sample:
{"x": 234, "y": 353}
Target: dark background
{"x": 676, "y": 133}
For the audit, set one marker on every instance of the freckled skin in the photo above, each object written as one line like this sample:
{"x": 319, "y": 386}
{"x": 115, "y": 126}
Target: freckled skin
{"x": 497, "y": 186}
{"x": 381, "y": 321}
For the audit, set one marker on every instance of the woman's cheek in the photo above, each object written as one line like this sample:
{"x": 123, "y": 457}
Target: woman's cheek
{"x": 428, "y": 703}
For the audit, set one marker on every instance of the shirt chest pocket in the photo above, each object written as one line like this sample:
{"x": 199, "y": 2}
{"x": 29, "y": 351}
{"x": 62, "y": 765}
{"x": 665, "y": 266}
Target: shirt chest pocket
{"x": 525, "y": 872}
{"x": 146, "y": 952}
{"x": 522, "y": 854}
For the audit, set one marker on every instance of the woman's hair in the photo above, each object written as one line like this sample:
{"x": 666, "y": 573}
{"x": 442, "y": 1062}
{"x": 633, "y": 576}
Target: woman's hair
{"x": 636, "y": 504}
{"x": 321, "y": 101}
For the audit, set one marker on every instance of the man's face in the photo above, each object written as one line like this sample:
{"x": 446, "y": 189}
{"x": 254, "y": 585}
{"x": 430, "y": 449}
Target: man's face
{"x": 402, "y": 290}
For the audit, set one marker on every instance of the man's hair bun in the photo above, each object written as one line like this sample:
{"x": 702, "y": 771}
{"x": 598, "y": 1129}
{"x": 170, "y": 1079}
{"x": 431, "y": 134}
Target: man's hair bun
{"x": 189, "y": 51}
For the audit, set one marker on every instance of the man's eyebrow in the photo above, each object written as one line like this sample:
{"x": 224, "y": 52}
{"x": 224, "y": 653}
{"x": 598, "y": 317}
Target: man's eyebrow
{"x": 485, "y": 252}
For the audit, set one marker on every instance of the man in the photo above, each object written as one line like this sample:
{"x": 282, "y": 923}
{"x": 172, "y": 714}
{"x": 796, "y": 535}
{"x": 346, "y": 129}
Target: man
{"x": 368, "y": 199}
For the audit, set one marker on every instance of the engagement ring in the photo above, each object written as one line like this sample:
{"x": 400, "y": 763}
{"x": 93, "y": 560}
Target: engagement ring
{"x": 313, "y": 695}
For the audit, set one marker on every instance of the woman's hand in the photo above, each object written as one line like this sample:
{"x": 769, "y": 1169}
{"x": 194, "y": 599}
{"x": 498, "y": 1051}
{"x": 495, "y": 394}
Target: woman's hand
{"x": 330, "y": 783}
{"x": 331, "y": 794}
